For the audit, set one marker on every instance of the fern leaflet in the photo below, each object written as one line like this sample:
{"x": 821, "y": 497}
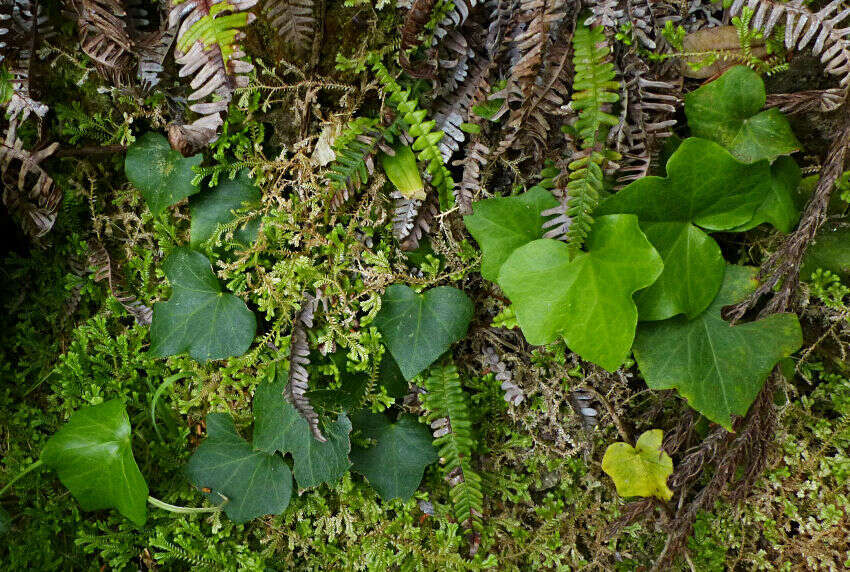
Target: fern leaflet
{"x": 446, "y": 405}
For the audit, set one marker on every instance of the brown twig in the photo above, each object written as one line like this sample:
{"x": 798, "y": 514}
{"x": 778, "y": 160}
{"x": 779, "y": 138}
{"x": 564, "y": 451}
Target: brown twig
{"x": 90, "y": 150}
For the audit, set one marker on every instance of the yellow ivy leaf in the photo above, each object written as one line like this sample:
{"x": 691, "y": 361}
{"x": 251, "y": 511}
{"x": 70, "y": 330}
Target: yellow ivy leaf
{"x": 642, "y": 470}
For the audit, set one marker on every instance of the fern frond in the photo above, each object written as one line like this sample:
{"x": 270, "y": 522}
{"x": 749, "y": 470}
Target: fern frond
{"x": 475, "y": 160}
{"x": 299, "y": 358}
{"x": 595, "y": 89}
{"x": 425, "y": 138}
{"x": 494, "y": 363}
{"x": 452, "y": 109}
{"x": 353, "y": 163}
{"x": 103, "y": 32}
{"x": 418, "y": 225}
{"x": 650, "y": 108}
{"x": 100, "y": 260}
{"x": 447, "y": 412}
{"x": 28, "y": 191}
{"x": 25, "y": 25}
{"x": 822, "y": 29}
{"x": 208, "y": 47}
{"x": 294, "y": 20}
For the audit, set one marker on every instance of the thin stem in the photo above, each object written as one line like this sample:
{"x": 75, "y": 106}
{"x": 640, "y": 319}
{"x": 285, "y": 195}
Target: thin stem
{"x": 20, "y": 475}
{"x": 180, "y": 509}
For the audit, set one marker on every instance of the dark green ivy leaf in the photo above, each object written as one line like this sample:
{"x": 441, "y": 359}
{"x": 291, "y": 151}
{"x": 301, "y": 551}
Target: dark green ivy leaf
{"x": 419, "y": 328}
{"x": 717, "y": 367}
{"x": 215, "y": 206}
{"x": 199, "y": 318}
{"x": 728, "y": 110}
{"x": 94, "y": 458}
{"x": 394, "y": 465}
{"x": 278, "y": 427}
{"x": 163, "y": 175}
{"x": 247, "y": 482}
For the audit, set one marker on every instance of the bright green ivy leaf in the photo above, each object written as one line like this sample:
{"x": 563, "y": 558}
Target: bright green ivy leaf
{"x": 705, "y": 187}
{"x": 717, "y": 367}
{"x": 780, "y": 206}
{"x": 199, "y": 318}
{"x": 394, "y": 465}
{"x": 728, "y": 111}
{"x": 419, "y": 328}
{"x": 163, "y": 175}
{"x": 279, "y": 427}
{"x": 503, "y": 224}
{"x": 215, "y": 206}
{"x": 642, "y": 470}
{"x": 248, "y": 483}
{"x": 94, "y": 458}
{"x": 587, "y": 300}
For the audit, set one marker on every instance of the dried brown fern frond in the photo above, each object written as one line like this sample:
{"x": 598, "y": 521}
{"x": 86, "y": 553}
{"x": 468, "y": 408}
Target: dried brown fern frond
{"x": 803, "y": 27}
{"x": 28, "y": 191}
{"x": 475, "y": 160}
{"x": 26, "y": 24}
{"x": 104, "y": 36}
{"x": 453, "y": 109}
{"x": 411, "y": 219}
{"x": 822, "y": 100}
{"x": 299, "y": 358}
{"x": 104, "y": 269}
{"x": 208, "y": 48}
{"x": 649, "y": 106}
{"x": 294, "y": 20}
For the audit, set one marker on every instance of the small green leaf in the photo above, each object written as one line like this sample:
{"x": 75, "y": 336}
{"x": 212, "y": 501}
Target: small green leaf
{"x": 403, "y": 172}
{"x": 717, "y": 367}
{"x": 94, "y": 458}
{"x": 395, "y": 464}
{"x": 419, "y": 328}
{"x": 728, "y": 110}
{"x": 706, "y": 187}
{"x": 829, "y": 251}
{"x": 642, "y": 470}
{"x": 199, "y": 318}
{"x": 278, "y": 427}
{"x": 215, "y": 206}
{"x": 587, "y": 300}
{"x": 503, "y": 224}
{"x": 247, "y": 482}
{"x": 163, "y": 175}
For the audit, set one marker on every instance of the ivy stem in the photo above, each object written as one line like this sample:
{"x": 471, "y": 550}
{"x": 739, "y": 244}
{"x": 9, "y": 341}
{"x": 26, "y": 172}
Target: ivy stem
{"x": 20, "y": 475}
{"x": 180, "y": 509}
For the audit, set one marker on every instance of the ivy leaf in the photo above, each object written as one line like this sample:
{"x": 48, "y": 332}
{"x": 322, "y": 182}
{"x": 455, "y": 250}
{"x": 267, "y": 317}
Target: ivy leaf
{"x": 419, "y": 328}
{"x": 403, "y": 172}
{"x": 199, "y": 317}
{"x": 163, "y": 175}
{"x": 728, "y": 111}
{"x": 780, "y": 206}
{"x": 642, "y": 470}
{"x": 279, "y": 427}
{"x": 249, "y": 483}
{"x": 395, "y": 464}
{"x": 705, "y": 187}
{"x": 503, "y": 224}
{"x": 587, "y": 300}
{"x": 94, "y": 458}
{"x": 215, "y": 206}
{"x": 391, "y": 378}
{"x": 717, "y": 367}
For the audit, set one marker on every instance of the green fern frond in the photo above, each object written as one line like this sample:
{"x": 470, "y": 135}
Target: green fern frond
{"x": 446, "y": 405}
{"x": 595, "y": 86}
{"x": 354, "y": 149}
{"x": 595, "y": 89}
{"x": 425, "y": 137}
